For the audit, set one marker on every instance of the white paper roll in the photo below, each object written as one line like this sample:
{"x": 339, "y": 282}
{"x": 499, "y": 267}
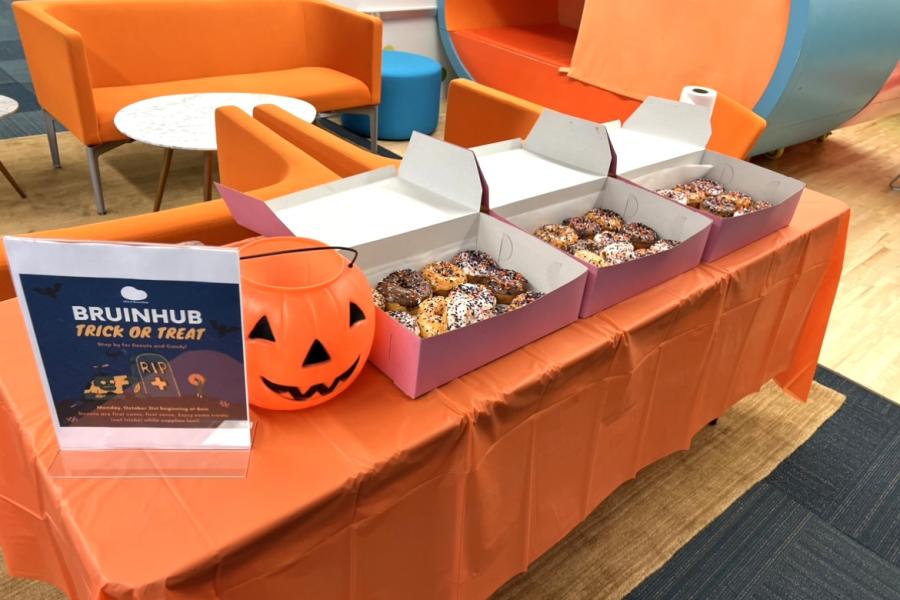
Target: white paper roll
{"x": 699, "y": 95}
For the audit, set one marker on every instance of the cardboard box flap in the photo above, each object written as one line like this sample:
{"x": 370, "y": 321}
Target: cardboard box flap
{"x": 658, "y": 131}
{"x": 560, "y": 152}
{"x": 436, "y": 182}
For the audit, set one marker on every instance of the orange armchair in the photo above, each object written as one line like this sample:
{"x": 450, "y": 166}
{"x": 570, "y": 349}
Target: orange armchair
{"x": 253, "y": 159}
{"x": 90, "y": 58}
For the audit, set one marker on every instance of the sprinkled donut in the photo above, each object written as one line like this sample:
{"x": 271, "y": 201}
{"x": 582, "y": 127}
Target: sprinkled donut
{"x": 675, "y": 195}
{"x": 662, "y": 246}
{"x": 524, "y": 299}
{"x": 443, "y": 277}
{"x": 477, "y": 265}
{"x": 407, "y": 320}
{"x": 501, "y": 309}
{"x": 618, "y": 253}
{"x": 403, "y": 290}
{"x": 559, "y": 236}
{"x": 705, "y": 186}
{"x": 642, "y": 252}
{"x": 608, "y": 220}
{"x": 719, "y": 206}
{"x": 468, "y": 304}
{"x": 506, "y": 284}
{"x": 378, "y": 299}
{"x": 432, "y": 316}
{"x": 589, "y": 245}
{"x": 740, "y": 200}
{"x": 584, "y": 227}
{"x": 640, "y": 235}
{"x": 605, "y": 238}
{"x": 591, "y": 257}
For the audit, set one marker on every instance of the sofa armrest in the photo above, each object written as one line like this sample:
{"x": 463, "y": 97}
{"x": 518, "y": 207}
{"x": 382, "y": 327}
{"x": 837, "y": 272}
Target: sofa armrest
{"x": 735, "y": 128}
{"x": 252, "y": 156}
{"x": 58, "y": 65}
{"x": 478, "y": 114}
{"x": 346, "y": 41}
{"x": 339, "y": 155}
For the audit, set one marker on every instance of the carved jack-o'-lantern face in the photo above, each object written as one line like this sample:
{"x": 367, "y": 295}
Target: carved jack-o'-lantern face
{"x": 309, "y": 322}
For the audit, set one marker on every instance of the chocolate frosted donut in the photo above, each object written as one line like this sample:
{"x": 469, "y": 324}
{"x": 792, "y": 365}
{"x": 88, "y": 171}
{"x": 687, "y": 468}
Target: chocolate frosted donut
{"x": 719, "y": 206}
{"x": 584, "y": 227}
{"x": 476, "y": 265}
{"x": 468, "y": 304}
{"x": 559, "y": 236}
{"x": 605, "y": 238}
{"x": 618, "y": 253}
{"x": 506, "y": 284}
{"x": 640, "y": 235}
{"x": 588, "y": 245}
{"x": 403, "y": 290}
{"x": 608, "y": 220}
{"x": 443, "y": 277}
{"x": 407, "y": 320}
{"x": 707, "y": 187}
{"x": 675, "y": 195}
{"x": 525, "y": 299}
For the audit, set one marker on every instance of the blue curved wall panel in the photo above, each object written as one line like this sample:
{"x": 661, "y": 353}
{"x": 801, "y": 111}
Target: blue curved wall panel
{"x": 837, "y": 55}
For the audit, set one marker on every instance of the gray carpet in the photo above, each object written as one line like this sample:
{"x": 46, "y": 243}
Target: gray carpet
{"x": 825, "y": 524}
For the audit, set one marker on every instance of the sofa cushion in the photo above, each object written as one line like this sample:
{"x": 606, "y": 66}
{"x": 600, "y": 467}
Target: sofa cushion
{"x": 324, "y": 88}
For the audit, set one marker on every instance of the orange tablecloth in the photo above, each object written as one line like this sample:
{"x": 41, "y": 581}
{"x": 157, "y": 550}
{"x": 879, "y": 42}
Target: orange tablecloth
{"x": 375, "y": 495}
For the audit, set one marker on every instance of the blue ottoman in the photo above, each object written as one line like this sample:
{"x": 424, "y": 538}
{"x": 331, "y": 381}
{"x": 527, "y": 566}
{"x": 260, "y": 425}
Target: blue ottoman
{"x": 410, "y": 97}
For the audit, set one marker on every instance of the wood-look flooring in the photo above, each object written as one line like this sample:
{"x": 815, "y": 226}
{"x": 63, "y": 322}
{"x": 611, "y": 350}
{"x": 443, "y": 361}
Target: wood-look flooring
{"x": 855, "y": 164}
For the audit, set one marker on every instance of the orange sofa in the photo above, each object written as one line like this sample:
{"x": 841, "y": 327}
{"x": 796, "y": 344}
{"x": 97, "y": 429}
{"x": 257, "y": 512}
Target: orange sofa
{"x": 90, "y": 58}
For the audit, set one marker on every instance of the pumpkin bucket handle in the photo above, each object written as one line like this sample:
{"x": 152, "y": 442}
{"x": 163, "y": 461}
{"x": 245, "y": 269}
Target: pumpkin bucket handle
{"x": 316, "y": 249}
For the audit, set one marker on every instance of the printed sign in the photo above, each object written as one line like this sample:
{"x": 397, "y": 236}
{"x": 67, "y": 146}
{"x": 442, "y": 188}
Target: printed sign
{"x": 138, "y": 345}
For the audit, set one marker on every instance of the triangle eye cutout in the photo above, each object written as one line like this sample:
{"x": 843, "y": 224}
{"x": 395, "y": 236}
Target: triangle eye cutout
{"x": 262, "y": 331}
{"x": 356, "y": 314}
{"x": 317, "y": 354}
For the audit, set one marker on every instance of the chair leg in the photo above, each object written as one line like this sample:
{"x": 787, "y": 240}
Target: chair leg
{"x": 373, "y": 129}
{"x": 93, "y": 155}
{"x": 12, "y": 181}
{"x": 50, "y": 124}
{"x": 163, "y": 177}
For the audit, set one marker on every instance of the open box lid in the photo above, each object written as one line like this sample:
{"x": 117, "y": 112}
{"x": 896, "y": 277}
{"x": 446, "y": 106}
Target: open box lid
{"x": 560, "y": 152}
{"x": 658, "y": 132}
{"x": 436, "y": 182}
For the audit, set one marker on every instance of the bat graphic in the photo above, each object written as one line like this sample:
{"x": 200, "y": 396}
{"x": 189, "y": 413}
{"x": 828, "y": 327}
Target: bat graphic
{"x": 52, "y": 290}
{"x": 223, "y": 330}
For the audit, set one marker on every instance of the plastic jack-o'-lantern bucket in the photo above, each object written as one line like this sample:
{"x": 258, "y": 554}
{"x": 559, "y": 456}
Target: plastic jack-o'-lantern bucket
{"x": 309, "y": 321}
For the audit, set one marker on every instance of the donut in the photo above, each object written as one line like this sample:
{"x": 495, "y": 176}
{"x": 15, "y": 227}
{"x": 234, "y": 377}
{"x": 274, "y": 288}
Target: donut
{"x": 642, "y": 252}
{"x": 618, "y": 253}
{"x": 506, "y": 284}
{"x": 443, "y": 277}
{"x": 640, "y": 235}
{"x": 477, "y": 265}
{"x": 608, "y": 220}
{"x": 719, "y": 206}
{"x": 584, "y": 227}
{"x": 558, "y": 236}
{"x": 675, "y": 195}
{"x": 605, "y": 238}
{"x": 468, "y": 304}
{"x": 407, "y": 320}
{"x": 591, "y": 257}
{"x": 524, "y": 299}
{"x": 403, "y": 290}
{"x": 432, "y": 316}
{"x": 761, "y": 205}
{"x": 501, "y": 309}
{"x": 589, "y": 245}
{"x": 702, "y": 185}
{"x": 378, "y": 299}
{"x": 740, "y": 200}
{"x": 662, "y": 246}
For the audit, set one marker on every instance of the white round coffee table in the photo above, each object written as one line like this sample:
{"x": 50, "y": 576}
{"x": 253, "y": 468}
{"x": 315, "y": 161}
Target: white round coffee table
{"x": 188, "y": 122}
{"x": 7, "y": 107}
